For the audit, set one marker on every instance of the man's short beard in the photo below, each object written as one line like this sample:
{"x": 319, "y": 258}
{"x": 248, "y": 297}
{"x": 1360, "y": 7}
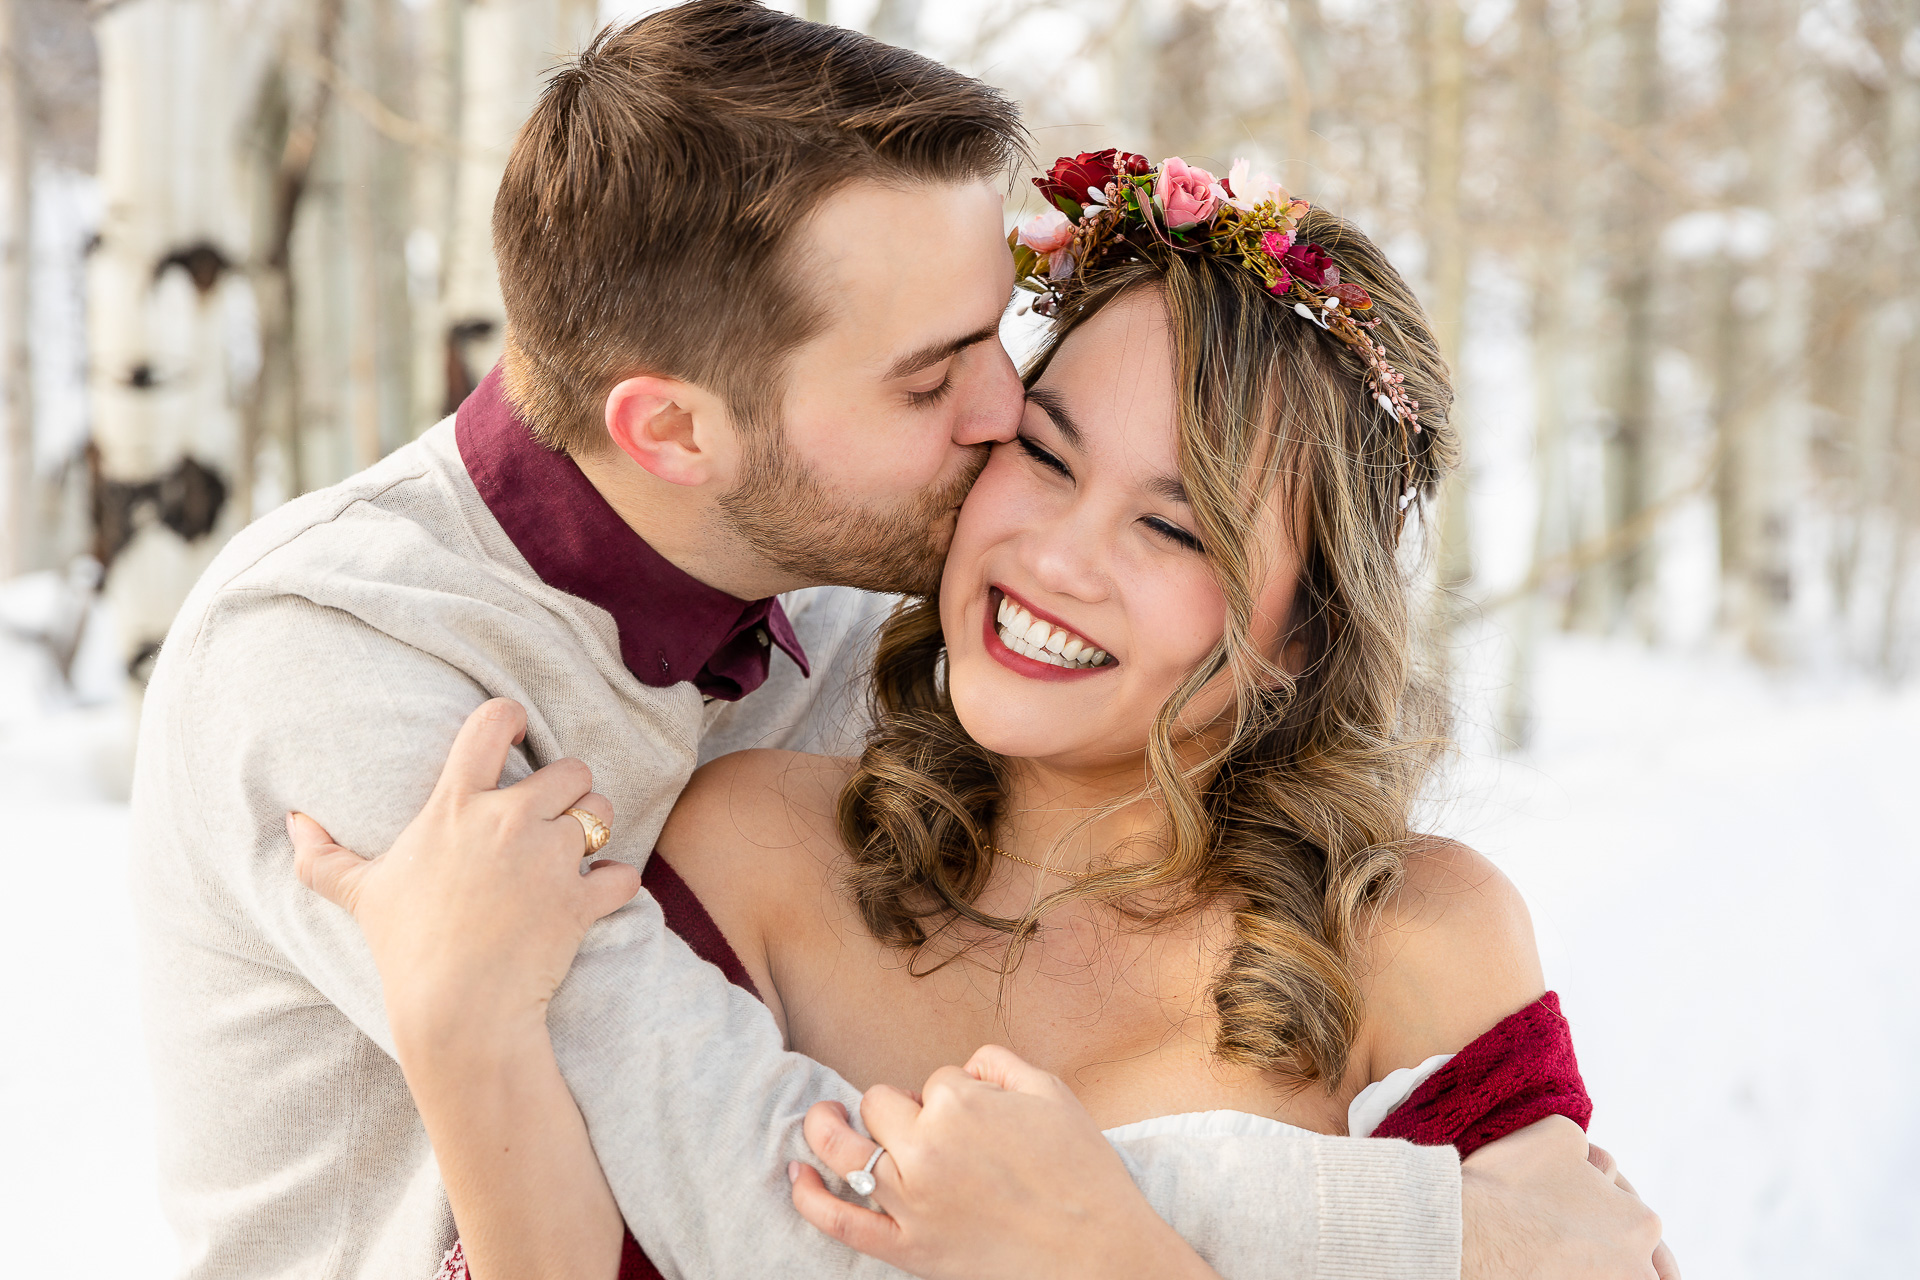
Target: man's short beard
{"x": 782, "y": 510}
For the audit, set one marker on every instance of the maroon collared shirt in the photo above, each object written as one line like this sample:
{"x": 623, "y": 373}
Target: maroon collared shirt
{"x": 672, "y": 626}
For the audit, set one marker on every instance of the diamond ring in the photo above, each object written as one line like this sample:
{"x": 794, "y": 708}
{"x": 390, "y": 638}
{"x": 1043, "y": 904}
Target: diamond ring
{"x": 862, "y": 1180}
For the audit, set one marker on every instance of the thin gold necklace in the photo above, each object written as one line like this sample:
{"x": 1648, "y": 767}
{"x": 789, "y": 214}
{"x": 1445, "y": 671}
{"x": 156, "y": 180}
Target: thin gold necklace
{"x": 1052, "y": 871}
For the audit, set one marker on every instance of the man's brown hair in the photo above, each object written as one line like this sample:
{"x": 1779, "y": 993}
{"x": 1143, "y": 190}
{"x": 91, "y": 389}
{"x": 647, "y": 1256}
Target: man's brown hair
{"x": 646, "y": 218}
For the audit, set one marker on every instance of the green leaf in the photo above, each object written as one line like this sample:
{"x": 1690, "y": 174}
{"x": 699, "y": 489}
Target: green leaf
{"x": 1068, "y": 207}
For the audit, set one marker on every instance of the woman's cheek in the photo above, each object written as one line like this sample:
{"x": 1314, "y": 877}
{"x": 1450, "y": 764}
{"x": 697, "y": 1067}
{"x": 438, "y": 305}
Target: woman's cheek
{"x": 1187, "y": 616}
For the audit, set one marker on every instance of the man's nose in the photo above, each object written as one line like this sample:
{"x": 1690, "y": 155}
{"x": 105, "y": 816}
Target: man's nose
{"x": 992, "y": 414}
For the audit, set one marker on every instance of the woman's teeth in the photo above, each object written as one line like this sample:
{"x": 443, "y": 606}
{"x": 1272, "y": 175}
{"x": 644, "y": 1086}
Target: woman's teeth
{"x": 1029, "y": 637}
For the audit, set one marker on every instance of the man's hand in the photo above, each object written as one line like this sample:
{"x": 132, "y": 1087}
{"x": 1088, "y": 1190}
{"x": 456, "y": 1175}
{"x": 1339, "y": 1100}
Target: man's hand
{"x": 1600, "y": 1158}
{"x": 1534, "y": 1206}
{"x": 998, "y": 1143}
{"x": 475, "y": 914}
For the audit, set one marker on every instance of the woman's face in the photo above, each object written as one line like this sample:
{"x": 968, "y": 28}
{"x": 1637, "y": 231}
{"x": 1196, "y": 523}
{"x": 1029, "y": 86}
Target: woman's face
{"x": 1076, "y": 597}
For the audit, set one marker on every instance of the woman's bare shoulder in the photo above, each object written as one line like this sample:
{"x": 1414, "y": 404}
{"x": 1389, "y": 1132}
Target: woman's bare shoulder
{"x": 1450, "y": 953}
{"x": 756, "y": 809}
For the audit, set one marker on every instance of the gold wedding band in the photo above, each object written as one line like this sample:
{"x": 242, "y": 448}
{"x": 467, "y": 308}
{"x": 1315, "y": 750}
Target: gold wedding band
{"x": 596, "y": 831}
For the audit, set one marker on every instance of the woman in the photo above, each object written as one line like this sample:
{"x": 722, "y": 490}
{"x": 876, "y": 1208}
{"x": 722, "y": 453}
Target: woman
{"x": 1136, "y": 799}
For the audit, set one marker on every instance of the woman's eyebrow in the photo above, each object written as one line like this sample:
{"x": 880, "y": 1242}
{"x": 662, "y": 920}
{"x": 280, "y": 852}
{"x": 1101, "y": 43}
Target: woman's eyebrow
{"x": 1167, "y": 486}
{"x": 1062, "y": 420}
{"x": 1170, "y": 487}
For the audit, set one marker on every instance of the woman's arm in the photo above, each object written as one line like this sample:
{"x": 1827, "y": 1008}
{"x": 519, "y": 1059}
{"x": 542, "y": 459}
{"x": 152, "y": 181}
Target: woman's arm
{"x": 528, "y": 1196}
{"x": 1451, "y": 954}
{"x": 491, "y": 920}
{"x": 467, "y": 990}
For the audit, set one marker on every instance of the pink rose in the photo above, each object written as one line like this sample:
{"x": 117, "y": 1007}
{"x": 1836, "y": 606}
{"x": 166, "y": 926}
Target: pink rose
{"x": 1187, "y": 195}
{"x": 1047, "y": 231}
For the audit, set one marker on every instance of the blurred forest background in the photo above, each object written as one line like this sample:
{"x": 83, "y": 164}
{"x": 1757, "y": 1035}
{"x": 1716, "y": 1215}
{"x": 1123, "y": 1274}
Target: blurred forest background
{"x": 1671, "y": 248}
{"x": 247, "y": 254}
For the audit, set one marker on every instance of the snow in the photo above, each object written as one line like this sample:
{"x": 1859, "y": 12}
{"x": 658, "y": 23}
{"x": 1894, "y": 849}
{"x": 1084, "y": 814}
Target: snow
{"x": 1720, "y": 864}
{"x": 1722, "y": 869}
{"x": 77, "y": 1187}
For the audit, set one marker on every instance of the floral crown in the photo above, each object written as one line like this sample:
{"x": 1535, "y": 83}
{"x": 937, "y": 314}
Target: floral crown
{"x": 1111, "y": 206}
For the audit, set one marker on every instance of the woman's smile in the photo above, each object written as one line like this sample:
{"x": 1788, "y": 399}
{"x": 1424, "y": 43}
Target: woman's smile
{"x": 1034, "y": 643}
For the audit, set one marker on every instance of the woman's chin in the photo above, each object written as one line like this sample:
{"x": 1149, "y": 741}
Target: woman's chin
{"x": 1014, "y": 727}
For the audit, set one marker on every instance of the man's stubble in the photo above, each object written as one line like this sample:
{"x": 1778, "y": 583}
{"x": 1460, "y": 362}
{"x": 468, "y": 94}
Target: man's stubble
{"x": 781, "y": 508}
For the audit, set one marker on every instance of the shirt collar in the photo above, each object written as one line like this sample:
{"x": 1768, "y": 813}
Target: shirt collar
{"x": 672, "y": 626}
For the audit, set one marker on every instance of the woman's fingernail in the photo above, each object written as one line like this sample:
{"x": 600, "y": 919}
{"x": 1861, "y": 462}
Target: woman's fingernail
{"x": 289, "y": 826}
{"x": 793, "y": 1171}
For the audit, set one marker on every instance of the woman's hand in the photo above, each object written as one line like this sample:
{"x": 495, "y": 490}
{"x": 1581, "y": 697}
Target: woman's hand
{"x": 476, "y": 912}
{"x": 1001, "y": 1142}
{"x": 473, "y": 917}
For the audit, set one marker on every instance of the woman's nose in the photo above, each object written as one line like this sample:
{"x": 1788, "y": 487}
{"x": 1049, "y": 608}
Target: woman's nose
{"x": 1069, "y": 558}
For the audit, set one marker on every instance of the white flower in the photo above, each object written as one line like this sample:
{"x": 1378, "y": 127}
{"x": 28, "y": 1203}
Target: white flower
{"x": 1249, "y": 192}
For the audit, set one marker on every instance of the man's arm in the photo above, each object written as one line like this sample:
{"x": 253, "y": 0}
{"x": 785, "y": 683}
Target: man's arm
{"x": 693, "y": 1104}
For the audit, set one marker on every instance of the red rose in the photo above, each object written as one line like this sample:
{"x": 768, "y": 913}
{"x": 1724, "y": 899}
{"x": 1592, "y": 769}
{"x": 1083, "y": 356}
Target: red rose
{"x": 1074, "y": 176}
{"x": 1311, "y": 265}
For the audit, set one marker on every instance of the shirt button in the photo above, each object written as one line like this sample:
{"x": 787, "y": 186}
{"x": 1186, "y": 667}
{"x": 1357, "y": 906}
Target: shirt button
{"x": 760, "y": 635}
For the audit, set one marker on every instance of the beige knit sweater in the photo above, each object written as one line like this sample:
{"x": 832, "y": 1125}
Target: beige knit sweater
{"x": 324, "y": 663}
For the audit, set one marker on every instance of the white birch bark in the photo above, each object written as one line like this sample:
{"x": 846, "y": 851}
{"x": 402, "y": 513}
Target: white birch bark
{"x": 506, "y": 46}
{"x": 435, "y": 172}
{"x": 1766, "y": 442}
{"x": 1552, "y": 259}
{"x": 16, "y": 265}
{"x": 1442, "y": 26}
{"x": 177, "y": 84}
{"x": 1632, "y": 454}
{"x": 1895, "y": 402}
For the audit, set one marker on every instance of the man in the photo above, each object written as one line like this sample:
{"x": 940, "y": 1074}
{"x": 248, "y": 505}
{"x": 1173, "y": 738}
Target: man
{"x": 753, "y": 271}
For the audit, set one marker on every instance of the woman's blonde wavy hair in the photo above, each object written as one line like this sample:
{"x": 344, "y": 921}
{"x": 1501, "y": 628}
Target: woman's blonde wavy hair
{"x": 1297, "y": 815}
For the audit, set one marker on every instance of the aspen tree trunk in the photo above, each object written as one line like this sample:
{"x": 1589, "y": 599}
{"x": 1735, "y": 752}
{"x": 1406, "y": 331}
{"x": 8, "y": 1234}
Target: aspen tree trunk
{"x": 506, "y": 46}
{"x": 1184, "y": 56}
{"x": 1446, "y": 295}
{"x": 1551, "y": 262}
{"x": 16, "y": 266}
{"x": 1631, "y": 453}
{"x": 177, "y": 79}
{"x": 359, "y": 146}
{"x": 374, "y": 197}
{"x": 896, "y": 22}
{"x": 1129, "y": 69}
{"x": 1308, "y": 74}
{"x": 435, "y": 173}
{"x": 1761, "y": 393}
{"x": 1735, "y": 382}
{"x": 1782, "y": 458}
{"x": 273, "y": 411}
{"x": 1896, "y": 387}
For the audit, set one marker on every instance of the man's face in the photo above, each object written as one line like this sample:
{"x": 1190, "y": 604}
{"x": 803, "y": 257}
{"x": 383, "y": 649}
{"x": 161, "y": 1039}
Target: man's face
{"x": 889, "y": 411}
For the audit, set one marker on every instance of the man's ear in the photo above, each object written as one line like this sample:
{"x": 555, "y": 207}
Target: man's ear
{"x": 658, "y": 422}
